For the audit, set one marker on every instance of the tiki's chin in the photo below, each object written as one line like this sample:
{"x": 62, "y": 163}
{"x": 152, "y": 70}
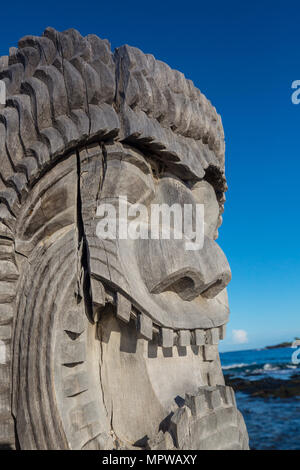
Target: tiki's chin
{"x": 156, "y": 381}
{"x": 159, "y": 384}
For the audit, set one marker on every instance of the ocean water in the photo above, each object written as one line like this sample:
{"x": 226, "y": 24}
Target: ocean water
{"x": 272, "y": 423}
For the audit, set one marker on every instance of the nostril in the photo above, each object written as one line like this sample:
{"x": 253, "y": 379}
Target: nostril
{"x": 188, "y": 289}
{"x": 184, "y": 287}
{"x": 183, "y": 282}
{"x": 167, "y": 266}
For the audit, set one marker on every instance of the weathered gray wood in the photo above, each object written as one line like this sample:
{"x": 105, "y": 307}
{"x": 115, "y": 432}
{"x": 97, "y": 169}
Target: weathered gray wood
{"x": 200, "y": 337}
{"x": 184, "y": 338}
{"x": 166, "y": 337}
{"x": 145, "y": 326}
{"x": 82, "y": 126}
{"x": 123, "y": 308}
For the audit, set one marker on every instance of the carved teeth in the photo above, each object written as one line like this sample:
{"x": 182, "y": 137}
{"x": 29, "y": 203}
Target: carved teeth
{"x": 98, "y": 292}
{"x": 123, "y": 308}
{"x": 166, "y": 338}
{"x": 222, "y": 331}
{"x": 212, "y": 336}
{"x": 145, "y": 326}
{"x": 207, "y": 398}
{"x": 227, "y": 395}
{"x": 197, "y": 404}
{"x": 98, "y": 297}
{"x": 213, "y": 397}
{"x": 199, "y": 337}
{"x": 184, "y": 338}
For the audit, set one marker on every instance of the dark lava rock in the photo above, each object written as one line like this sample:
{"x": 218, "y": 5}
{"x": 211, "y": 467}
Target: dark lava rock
{"x": 267, "y": 387}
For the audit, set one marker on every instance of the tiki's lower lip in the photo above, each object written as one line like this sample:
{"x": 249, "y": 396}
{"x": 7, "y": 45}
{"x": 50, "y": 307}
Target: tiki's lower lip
{"x": 165, "y": 336}
{"x": 167, "y": 311}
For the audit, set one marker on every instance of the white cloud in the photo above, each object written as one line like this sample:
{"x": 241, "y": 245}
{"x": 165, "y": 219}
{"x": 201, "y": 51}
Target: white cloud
{"x": 240, "y": 336}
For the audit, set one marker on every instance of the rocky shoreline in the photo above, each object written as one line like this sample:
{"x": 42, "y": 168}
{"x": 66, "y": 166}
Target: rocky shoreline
{"x": 268, "y": 387}
{"x": 285, "y": 344}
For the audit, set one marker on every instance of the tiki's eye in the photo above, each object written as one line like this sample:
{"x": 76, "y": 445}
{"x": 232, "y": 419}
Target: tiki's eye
{"x": 124, "y": 178}
{"x": 171, "y": 190}
{"x": 204, "y": 193}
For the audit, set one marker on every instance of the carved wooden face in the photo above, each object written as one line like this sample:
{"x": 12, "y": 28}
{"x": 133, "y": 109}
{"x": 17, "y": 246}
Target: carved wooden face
{"x": 174, "y": 287}
{"x": 159, "y": 279}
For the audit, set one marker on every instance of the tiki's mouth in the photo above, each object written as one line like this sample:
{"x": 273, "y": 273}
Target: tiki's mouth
{"x": 164, "y": 308}
{"x": 127, "y": 312}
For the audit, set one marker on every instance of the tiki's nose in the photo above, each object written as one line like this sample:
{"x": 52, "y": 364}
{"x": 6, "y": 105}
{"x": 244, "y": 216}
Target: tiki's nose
{"x": 167, "y": 266}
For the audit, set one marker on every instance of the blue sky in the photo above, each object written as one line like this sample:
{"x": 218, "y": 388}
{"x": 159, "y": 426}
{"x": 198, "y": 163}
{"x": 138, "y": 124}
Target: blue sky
{"x": 244, "y": 58}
